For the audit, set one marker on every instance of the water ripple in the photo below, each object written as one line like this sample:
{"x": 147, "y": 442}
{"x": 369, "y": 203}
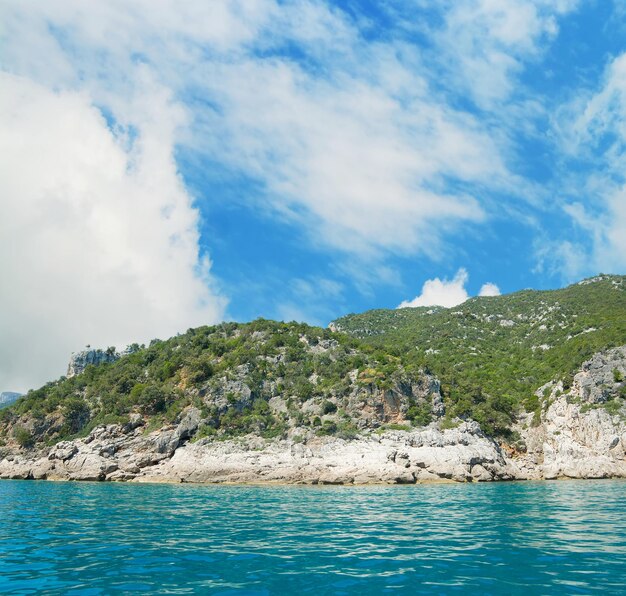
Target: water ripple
{"x": 91, "y": 539}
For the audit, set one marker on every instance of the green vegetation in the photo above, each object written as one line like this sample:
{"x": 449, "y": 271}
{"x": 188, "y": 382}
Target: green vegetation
{"x": 492, "y": 353}
{"x": 420, "y": 414}
{"x": 271, "y": 378}
{"x": 23, "y": 437}
{"x": 394, "y": 426}
{"x": 328, "y": 407}
{"x": 229, "y": 372}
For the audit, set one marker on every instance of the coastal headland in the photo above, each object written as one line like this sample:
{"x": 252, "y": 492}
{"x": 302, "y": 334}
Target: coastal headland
{"x": 527, "y": 386}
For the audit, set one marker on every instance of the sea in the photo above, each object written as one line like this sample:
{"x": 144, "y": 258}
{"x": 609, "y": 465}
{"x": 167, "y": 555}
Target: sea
{"x": 561, "y": 537}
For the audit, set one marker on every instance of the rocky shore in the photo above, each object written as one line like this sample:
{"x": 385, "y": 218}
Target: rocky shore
{"x": 117, "y": 453}
{"x": 569, "y": 444}
{"x": 577, "y": 432}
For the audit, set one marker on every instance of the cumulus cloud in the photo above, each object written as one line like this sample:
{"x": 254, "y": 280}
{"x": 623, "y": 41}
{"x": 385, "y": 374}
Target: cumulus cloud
{"x": 489, "y": 289}
{"x": 448, "y": 292}
{"x": 99, "y": 240}
{"x": 441, "y": 292}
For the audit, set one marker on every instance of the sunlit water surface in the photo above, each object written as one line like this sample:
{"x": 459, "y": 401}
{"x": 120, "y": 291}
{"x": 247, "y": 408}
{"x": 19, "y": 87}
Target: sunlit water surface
{"x": 505, "y": 538}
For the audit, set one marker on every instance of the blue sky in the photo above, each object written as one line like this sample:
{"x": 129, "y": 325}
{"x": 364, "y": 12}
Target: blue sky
{"x": 167, "y": 165}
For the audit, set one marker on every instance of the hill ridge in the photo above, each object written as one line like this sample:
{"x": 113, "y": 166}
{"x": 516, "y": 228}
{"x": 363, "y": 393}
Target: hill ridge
{"x": 481, "y": 361}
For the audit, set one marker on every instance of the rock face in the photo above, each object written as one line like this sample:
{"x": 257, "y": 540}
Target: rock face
{"x": 80, "y": 360}
{"x": 570, "y": 443}
{"x": 117, "y": 452}
{"x": 579, "y": 433}
{"x": 602, "y": 377}
{"x": 8, "y": 397}
{"x": 582, "y": 431}
{"x": 365, "y": 402}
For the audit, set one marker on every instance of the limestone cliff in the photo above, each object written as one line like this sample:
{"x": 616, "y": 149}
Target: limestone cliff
{"x": 81, "y": 360}
{"x": 578, "y": 432}
{"x": 581, "y": 431}
{"x": 128, "y": 453}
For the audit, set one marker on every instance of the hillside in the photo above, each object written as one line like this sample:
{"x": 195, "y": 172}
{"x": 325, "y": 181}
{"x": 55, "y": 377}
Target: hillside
{"x": 266, "y": 378}
{"x": 492, "y": 353}
{"x": 384, "y": 369}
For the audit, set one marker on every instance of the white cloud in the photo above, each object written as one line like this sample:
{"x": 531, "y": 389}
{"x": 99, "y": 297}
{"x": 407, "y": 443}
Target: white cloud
{"x": 598, "y": 117}
{"x": 486, "y": 43}
{"x": 98, "y": 241}
{"x": 441, "y": 292}
{"x": 603, "y": 247}
{"x": 563, "y": 259}
{"x": 448, "y": 293}
{"x": 348, "y": 157}
{"x": 355, "y": 141}
{"x": 489, "y": 289}
{"x": 356, "y": 146}
{"x": 612, "y": 252}
{"x": 592, "y": 130}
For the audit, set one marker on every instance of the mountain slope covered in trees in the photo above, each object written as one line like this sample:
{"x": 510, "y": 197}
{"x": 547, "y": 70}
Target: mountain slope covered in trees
{"x": 378, "y": 369}
{"x": 492, "y": 353}
{"x": 267, "y": 378}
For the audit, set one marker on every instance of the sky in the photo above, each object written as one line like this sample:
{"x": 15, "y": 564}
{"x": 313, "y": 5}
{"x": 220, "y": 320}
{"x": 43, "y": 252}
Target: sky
{"x": 165, "y": 165}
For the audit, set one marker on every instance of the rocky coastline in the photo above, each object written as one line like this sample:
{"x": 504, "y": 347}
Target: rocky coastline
{"x": 577, "y": 431}
{"x": 568, "y": 443}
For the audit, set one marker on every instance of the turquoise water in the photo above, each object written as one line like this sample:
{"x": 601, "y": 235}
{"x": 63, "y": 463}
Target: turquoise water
{"x": 507, "y": 538}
